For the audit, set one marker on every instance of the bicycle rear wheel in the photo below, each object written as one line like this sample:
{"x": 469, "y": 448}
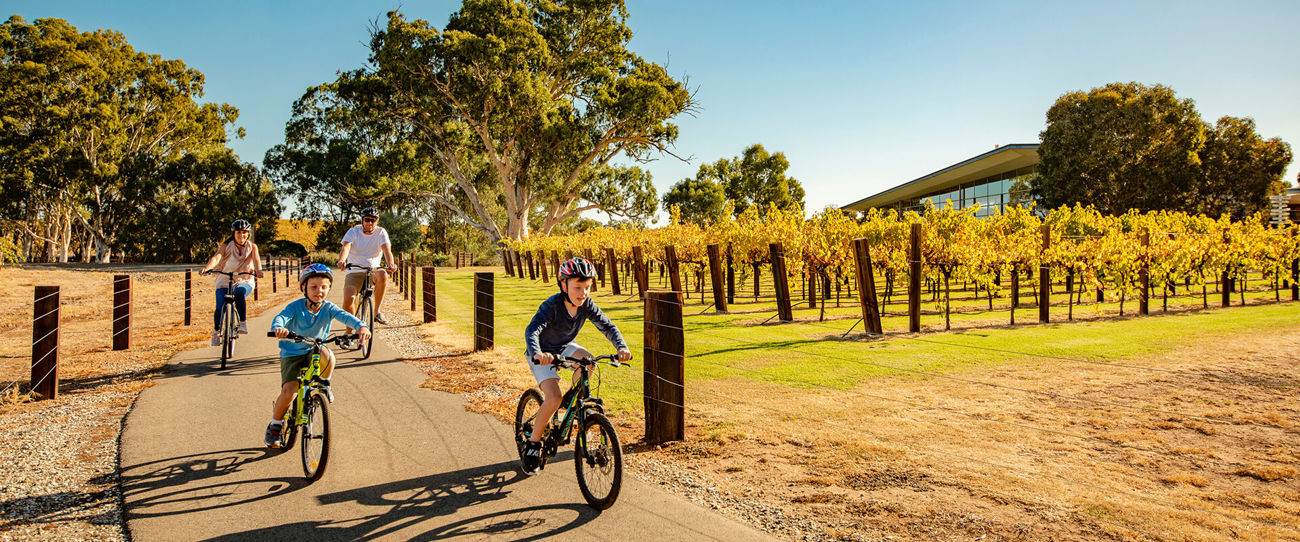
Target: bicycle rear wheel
{"x": 598, "y": 460}
{"x": 529, "y": 403}
{"x": 366, "y": 313}
{"x": 228, "y": 331}
{"x": 316, "y": 437}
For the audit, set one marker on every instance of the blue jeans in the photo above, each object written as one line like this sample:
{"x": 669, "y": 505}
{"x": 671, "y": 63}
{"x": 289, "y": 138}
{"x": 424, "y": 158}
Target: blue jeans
{"x": 242, "y": 290}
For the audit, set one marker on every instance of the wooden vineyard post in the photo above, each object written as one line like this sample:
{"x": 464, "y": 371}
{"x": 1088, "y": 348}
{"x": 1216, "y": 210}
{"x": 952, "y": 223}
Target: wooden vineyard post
{"x": 1044, "y": 276}
{"x": 663, "y": 386}
{"x": 541, "y": 264}
{"x": 189, "y": 296}
{"x": 45, "y": 343}
{"x": 1144, "y": 275}
{"x": 429, "y": 294}
{"x": 519, "y": 263}
{"x": 780, "y": 281}
{"x": 639, "y": 272}
{"x": 914, "y": 281}
{"x": 1015, "y": 291}
{"x": 1225, "y": 288}
{"x": 121, "y": 312}
{"x": 532, "y": 270}
{"x": 555, "y": 263}
{"x": 715, "y": 274}
{"x": 731, "y": 277}
{"x": 483, "y": 309}
{"x": 866, "y": 286}
{"x": 587, "y": 254}
{"x": 674, "y": 270}
{"x": 505, "y": 262}
{"x": 611, "y": 269}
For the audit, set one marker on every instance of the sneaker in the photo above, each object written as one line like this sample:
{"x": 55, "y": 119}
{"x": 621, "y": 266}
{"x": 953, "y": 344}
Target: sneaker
{"x": 216, "y": 338}
{"x": 532, "y": 457}
{"x": 243, "y": 328}
{"x": 273, "y": 434}
{"x": 379, "y": 318}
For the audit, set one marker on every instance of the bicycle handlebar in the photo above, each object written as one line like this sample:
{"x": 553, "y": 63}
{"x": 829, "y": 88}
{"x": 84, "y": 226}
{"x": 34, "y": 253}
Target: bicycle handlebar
{"x": 231, "y": 275}
{"x": 337, "y": 339}
{"x": 570, "y": 363}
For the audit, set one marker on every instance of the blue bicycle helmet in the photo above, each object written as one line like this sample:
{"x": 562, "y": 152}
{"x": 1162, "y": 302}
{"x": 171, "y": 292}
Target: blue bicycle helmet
{"x": 314, "y": 270}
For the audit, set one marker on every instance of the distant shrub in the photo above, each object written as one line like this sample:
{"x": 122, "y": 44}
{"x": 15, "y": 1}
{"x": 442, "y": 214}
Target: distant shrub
{"x": 284, "y": 247}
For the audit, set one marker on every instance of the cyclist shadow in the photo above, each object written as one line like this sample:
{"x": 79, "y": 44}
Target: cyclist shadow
{"x": 409, "y": 503}
{"x": 168, "y": 486}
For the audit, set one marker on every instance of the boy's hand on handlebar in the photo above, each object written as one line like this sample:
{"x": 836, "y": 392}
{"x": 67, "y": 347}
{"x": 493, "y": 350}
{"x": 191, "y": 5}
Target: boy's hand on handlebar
{"x": 624, "y": 355}
{"x": 363, "y": 333}
{"x": 280, "y": 332}
{"x": 543, "y": 358}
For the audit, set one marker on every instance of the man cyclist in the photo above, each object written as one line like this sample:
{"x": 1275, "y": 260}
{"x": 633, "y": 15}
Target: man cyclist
{"x": 363, "y": 245}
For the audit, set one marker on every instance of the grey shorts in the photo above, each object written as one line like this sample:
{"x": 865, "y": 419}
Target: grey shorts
{"x": 543, "y": 373}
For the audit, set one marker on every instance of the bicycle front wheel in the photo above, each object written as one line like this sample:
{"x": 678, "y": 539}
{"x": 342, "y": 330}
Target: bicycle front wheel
{"x": 598, "y": 459}
{"x": 529, "y": 403}
{"x": 228, "y": 331}
{"x": 316, "y": 437}
{"x": 366, "y": 313}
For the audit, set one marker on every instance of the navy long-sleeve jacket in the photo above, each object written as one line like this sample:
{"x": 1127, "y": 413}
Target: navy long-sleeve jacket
{"x": 552, "y": 328}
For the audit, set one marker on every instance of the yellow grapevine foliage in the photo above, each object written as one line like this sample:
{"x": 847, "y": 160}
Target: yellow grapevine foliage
{"x": 1100, "y": 251}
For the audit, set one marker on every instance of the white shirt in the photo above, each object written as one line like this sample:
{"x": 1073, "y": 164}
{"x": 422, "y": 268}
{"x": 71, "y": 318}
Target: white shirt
{"x": 366, "y": 249}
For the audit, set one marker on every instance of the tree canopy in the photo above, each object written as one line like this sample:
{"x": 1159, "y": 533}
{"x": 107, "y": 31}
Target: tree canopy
{"x": 1130, "y": 146}
{"x": 522, "y": 105}
{"x": 756, "y": 178}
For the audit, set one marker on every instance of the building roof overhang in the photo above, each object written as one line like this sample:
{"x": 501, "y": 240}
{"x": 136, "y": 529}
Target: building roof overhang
{"x": 999, "y": 160}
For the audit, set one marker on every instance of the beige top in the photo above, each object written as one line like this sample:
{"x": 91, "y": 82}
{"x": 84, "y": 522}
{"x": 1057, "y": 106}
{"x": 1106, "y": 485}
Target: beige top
{"x": 236, "y": 259}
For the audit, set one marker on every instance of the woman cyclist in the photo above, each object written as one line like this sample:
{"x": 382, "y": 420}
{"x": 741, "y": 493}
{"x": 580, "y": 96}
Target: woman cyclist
{"x": 237, "y": 254}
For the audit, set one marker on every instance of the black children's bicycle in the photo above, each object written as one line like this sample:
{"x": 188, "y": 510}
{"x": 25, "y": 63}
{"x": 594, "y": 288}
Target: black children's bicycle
{"x": 229, "y": 317}
{"x": 310, "y": 409}
{"x": 365, "y": 307}
{"x": 597, "y": 454}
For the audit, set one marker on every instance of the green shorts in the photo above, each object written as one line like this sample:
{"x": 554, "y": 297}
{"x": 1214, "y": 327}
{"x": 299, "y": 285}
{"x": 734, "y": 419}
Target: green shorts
{"x": 292, "y": 365}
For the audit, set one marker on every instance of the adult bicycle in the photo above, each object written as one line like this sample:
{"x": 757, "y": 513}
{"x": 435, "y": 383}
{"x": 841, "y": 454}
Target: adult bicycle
{"x": 229, "y": 327}
{"x": 597, "y": 454}
{"x": 310, "y": 409}
{"x": 365, "y": 307}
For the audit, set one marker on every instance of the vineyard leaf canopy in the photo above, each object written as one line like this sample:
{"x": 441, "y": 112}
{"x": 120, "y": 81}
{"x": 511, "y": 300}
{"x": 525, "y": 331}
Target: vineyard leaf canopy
{"x": 540, "y": 95}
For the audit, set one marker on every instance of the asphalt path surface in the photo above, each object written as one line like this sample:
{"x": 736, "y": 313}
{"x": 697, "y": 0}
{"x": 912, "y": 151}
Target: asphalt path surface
{"x": 407, "y": 463}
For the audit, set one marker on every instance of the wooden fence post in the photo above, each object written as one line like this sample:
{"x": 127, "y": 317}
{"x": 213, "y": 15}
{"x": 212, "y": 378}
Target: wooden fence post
{"x": 639, "y": 272}
{"x": 430, "y": 300}
{"x": 483, "y": 309}
{"x": 663, "y": 385}
{"x": 1144, "y": 275}
{"x": 611, "y": 269}
{"x": 532, "y": 269}
{"x": 1044, "y": 276}
{"x": 715, "y": 274}
{"x": 914, "y": 281}
{"x": 867, "y": 286}
{"x": 731, "y": 277}
{"x": 275, "y": 281}
{"x": 256, "y": 286}
{"x": 411, "y": 273}
{"x": 45, "y": 343}
{"x": 287, "y": 271}
{"x": 519, "y": 263}
{"x": 121, "y": 312}
{"x": 586, "y": 253}
{"x": 189, "y": 297}
{"x": 674, "y": 270}
{"x": 780, "y": 281}
{"x": 1295, "y": 272}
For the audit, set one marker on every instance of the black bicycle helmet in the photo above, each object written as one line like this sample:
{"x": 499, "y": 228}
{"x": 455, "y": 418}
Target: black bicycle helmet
{"x": 240, "y": 225}
{"x": 369, "y": 212}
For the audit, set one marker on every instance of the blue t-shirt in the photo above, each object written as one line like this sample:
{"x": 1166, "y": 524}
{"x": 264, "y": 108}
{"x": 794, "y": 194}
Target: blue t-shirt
{"x": 296, "y": 318}
{"x": 552, "y": 328}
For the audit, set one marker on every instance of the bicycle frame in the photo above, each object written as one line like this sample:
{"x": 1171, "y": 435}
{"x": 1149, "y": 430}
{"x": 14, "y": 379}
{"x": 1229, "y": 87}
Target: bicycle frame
{"x": 576, "y": 402}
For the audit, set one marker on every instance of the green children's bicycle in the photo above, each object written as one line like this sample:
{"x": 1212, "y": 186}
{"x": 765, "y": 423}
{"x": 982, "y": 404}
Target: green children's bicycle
{"x": 597, "y": 454}
{"x": 310, "y": 409}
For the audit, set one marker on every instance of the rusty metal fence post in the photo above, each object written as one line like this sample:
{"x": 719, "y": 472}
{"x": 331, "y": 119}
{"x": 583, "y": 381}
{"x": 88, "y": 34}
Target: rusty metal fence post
{"x": 663, "y": 386}
{"x": 121, "y": 312}
{"x": 45, "y": 343}
{"x": 483, "y": 309}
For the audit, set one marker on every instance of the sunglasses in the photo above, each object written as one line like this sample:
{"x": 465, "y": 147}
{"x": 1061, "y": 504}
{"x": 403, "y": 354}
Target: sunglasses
{"x": 369, "y": 220}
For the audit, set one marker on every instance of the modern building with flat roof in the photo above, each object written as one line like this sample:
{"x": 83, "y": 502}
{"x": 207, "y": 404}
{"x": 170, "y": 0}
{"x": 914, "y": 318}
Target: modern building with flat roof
{"x": 985, "y": 180}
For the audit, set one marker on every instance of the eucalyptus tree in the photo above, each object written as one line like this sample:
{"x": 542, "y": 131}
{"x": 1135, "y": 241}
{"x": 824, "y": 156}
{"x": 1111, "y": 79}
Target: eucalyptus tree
{"x": 755, "y": 178}
{"x": 1239, "y": 169}
{"x": 523, "y": 104}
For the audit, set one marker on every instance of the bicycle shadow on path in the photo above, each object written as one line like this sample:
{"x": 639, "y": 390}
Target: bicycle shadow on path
{"x": 415, "y": 501}
{"x": 168, "y": 487}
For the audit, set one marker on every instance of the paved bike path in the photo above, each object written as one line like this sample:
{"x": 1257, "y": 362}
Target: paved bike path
{"x": 407, "y": 463}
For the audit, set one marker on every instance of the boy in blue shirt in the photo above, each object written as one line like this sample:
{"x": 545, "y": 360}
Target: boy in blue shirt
{"x": 551, "y": 332}
{"x": 309, "y": 317}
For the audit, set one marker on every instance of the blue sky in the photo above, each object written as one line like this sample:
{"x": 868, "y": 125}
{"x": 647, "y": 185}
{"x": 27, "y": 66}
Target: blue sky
{"x": 860, "y": 96}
